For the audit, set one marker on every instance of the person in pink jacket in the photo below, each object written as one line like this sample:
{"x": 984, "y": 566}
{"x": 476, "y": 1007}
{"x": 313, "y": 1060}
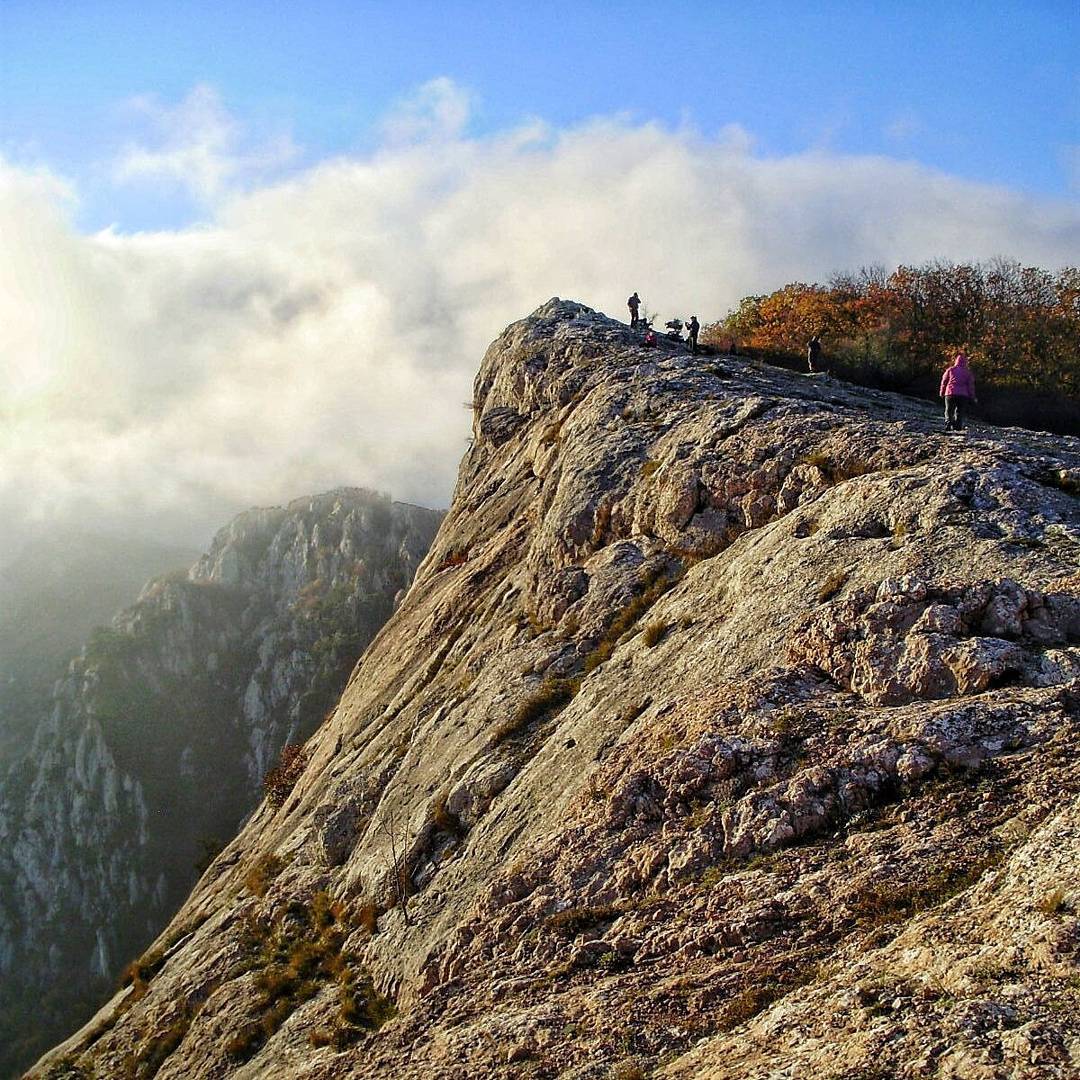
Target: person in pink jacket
{"x": 957, "y": 388}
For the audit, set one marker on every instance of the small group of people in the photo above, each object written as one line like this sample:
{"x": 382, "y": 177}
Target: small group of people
{"x": 693, "y": 327}
{"x": 957, "y": 382}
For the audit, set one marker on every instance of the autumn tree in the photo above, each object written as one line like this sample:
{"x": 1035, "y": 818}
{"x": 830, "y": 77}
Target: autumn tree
{"x": 1020, "y": 324}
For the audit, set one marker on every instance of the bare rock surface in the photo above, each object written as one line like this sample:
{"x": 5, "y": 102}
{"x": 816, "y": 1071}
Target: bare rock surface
{"x": 729, "y": 729}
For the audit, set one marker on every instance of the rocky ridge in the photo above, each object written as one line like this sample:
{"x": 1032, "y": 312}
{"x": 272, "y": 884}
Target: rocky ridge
{"x": 728, "y": 729}
{"x": 162, "y": 730}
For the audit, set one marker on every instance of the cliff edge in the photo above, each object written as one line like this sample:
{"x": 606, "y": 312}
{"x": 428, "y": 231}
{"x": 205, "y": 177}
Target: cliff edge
{"x": 728, "y": 729}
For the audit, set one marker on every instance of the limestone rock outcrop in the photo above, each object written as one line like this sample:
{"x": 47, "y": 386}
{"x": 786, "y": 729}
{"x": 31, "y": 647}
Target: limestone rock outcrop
{"x": 160, "y": 734}
{"x": 729, "y": 729}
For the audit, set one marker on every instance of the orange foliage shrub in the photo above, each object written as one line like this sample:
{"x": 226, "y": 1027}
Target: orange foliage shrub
{"x": 1021, "y": 325}
{"x": 280, "y": 780}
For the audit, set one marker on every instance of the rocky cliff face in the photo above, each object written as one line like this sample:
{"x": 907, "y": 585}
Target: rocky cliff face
{"x": 729, "y": 729}
{"x": 162, "y": 730}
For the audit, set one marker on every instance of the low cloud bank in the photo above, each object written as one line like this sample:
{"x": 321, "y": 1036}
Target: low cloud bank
{"x": 325, "y": 328}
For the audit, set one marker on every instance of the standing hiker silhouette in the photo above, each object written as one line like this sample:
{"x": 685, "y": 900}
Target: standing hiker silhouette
{"x": 692, "y": 328}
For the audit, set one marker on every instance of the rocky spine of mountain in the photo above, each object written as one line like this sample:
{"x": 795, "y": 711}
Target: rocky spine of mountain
{"x": 161, "y": 733}
{"x": 729, "y": 729}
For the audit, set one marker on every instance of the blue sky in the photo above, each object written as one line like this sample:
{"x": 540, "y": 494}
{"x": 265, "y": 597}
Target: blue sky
{"x": 985, "y": 91}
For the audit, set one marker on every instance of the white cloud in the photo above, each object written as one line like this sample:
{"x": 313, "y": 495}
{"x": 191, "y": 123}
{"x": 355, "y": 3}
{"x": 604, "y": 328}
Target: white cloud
{"x": 325, "y": 329}
{"x": 197, "y": 146}
{"x": 437, "y": 110}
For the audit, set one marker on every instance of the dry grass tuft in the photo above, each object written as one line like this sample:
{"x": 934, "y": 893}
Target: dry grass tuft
{"x": 444, "y": 820}
{"x": 574, "y": 920}
{"x": 756, "y": 998}
{"x": 367, "y": 916}
{"x": 452, "y": 558}
{"x": 832, "y": 585}
{"x": 894, "y": 902}
{"x": 836, "y": 471}
{"x": 551, "y": 696}
{"x": 1055, "y": 902}
{"x": 294, "y": 958}
{"x": 262, "y": 873}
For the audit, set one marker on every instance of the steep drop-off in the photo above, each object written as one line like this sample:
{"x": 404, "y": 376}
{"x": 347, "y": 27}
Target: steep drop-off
{"x": 728, "y": 729}
{"x": 159, "y": 736}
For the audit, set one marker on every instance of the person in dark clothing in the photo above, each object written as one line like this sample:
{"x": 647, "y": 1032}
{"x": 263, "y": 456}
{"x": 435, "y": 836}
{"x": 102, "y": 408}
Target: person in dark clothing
{"x": 813, "y": 354}
{"x": 692, "y": 328}
{"x": 957, "y": 388}
{"x": 633, "y": 304}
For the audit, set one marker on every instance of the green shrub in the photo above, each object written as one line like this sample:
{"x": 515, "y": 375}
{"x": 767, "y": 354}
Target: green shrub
{"x": 109, "y": 646}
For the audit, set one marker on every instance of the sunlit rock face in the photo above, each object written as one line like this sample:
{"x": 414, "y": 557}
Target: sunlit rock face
{"x": 728, "y": 729}
{"x": 162, "y": 730}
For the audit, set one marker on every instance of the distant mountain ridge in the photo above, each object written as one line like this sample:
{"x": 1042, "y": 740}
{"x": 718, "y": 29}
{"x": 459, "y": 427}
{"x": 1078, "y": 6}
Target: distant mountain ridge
{"x": 161, "y": 732}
